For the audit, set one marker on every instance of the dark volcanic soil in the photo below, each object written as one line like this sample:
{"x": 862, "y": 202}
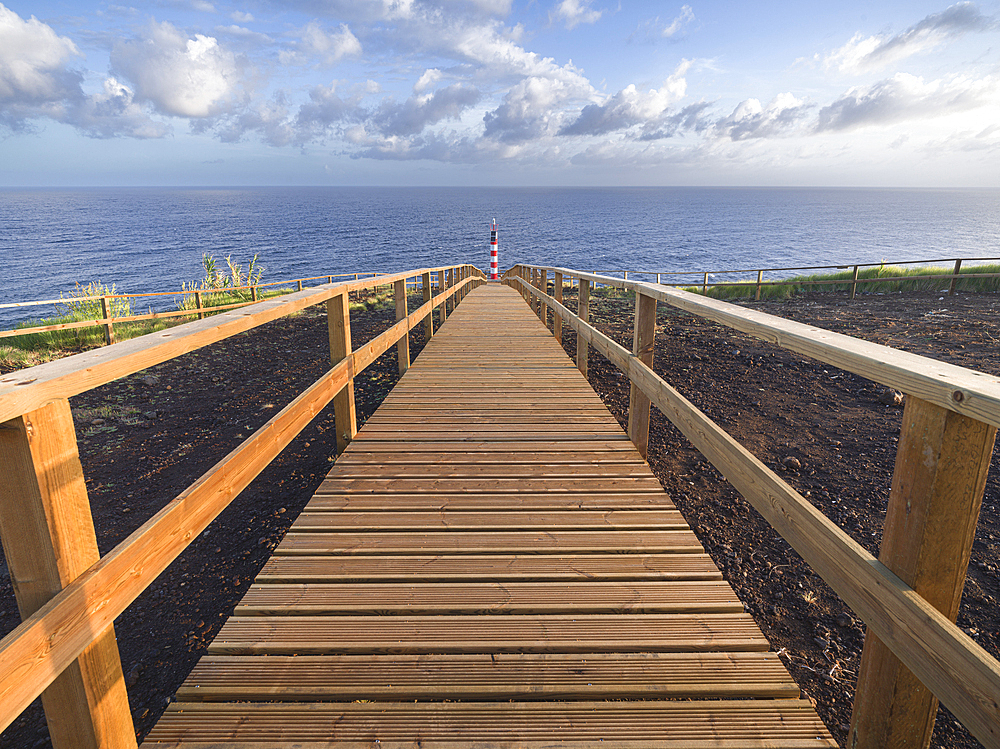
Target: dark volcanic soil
{"x": 146, "y": 437}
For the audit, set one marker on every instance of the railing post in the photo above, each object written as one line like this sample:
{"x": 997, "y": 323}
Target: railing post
{"x": 937, "y": 490}
{"x": 338, "y": 318}
{"x": 954, "y": 281}
{"x": 425, "y": 283}
{"x": 109, "y": 327}
{"x": 298, "y": 285}
{"x": 253, "y": 293}
{"x": 583, "y": 312}
{"x": 403, "y": 344}
{"x": 760, "y": 278}
{"x": 657, "y": 278}
{"x": 329, "y": 279}
{"x": 197, "y": 301}
{"x": 642, "y": 347}
{"x": 556, "y": 319}
{"x": 543, "y": 286}
{"x": 854, "y": 282}
{"x": 704, "y": 285}
{"x": 49, "y": 540}
{"x": 449, "y": 304}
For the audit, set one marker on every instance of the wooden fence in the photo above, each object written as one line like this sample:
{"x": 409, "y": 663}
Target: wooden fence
{"x": 67, "y": 594}
{"x": 909, "y": 596}
{"x": 853, "y": 282}
{"x": 107, "y": 320}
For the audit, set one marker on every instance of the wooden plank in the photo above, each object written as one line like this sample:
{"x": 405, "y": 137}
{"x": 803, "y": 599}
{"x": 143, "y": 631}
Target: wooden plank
{"x": 775, "y": 724}
{"x": 488, "y": 677}
{"x": 353, "y": 459}
{"x": 336, "y": 485}
{"x": 489, "y": 542}
{"x": 390, "y": 521}
{"x": 493, "y": 502}
{"x": 937, "y": 490}
{"x": 338, "y": 315}
{"x": 530, "y": 567}
{"x": 420, "y": 599}
{"x": 49, "y": 541}
{"x": 564, "y": 633}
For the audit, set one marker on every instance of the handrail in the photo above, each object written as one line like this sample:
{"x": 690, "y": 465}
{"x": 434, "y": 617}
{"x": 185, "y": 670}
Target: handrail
{"x": 957, "y": 670}
{"x": 843, "y": 266}
{"x": 965, "y": 391}
{"x": 73, "y": 620}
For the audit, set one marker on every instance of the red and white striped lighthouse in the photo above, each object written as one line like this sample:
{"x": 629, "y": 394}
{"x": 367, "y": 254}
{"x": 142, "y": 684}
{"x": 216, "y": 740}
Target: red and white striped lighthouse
{"x": 494, "y": 268}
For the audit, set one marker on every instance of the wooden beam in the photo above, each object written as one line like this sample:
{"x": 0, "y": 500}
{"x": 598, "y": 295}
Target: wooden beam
{"x": 937, "y": 490}
{"x": 403, "y": 345}
{"x": 425, "y": 284}
{"x": 854, "y": 281}
{"x": 338, "y": 316}
{"x": 556, "y": 319}
{"x": 583, "y": 311}
{"x": 644, "y": 331}
{"x": 49, "y": 540}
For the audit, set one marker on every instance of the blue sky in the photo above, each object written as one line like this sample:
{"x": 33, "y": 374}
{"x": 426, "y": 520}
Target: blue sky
{"x": 480, "y": 92}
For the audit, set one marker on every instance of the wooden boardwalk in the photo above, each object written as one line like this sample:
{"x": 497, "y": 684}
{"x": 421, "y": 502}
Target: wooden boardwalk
{"x": 490, "y": 563}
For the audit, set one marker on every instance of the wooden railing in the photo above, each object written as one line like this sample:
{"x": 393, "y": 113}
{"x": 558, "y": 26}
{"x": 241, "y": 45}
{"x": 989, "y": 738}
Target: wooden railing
{"x": 852, "y": 283}
{"x": 67, "y": 594}
{"x": 909, "y": 596}
{"x": 107, "y": 320}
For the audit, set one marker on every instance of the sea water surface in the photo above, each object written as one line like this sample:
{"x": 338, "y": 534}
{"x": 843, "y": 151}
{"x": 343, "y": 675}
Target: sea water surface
{"x": 153, "y": 239}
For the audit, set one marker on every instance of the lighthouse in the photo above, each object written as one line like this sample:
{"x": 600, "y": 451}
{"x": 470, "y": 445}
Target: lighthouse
{"x": 494, "y": 268}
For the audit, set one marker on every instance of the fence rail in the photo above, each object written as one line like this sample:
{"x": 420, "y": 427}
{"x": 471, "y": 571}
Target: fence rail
{"x": 108, "y": 321}
{"x": 909, "y": 596}
{"x": 68, "y": 596}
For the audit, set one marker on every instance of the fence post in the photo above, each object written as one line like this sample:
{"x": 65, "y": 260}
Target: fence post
{"x": 338, "y": 320}
{"x": 403, "y": 344}
{"x": 543, "y": 286}
{"x": 937, "y": 490}
{"x": 197, "y": 300}
{"x": 760, "y": 278}
{"x": 109, "y": 327}
{"x": 704, "y": 285}
{"x": 49, "y": 540}
{"x": 556, "y": 319}
{"x": 624, "y": 275}
{"x": 449, "y": 304}
{"x": 329, "y": 279}
{"x": 954, "y": 281}
{"x": 854, "y": 282}
{"x": 253, "y": 293}
{"x": 642, "y": 346}
{"x": 425, "y": 282}
{"x": 298, "y": 285}
{"x": 657, "y": 278}
{"x": 583, "y": 312}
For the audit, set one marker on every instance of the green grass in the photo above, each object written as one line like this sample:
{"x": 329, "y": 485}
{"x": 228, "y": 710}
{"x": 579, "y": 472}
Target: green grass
{"x": 796, "y": 285}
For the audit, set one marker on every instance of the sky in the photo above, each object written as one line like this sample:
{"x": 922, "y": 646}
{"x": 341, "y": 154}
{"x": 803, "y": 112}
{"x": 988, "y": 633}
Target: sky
{"x": 499, "y": 92}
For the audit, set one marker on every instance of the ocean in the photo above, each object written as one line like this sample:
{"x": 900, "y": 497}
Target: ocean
{"x": 153, "y": 239}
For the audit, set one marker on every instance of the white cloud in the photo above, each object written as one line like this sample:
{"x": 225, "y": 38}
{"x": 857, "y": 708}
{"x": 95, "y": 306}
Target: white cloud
{"x": 33, "y": 62}
{"x": 575, "y": 12}
{"x": 430, "y": 77}
{"x": 904, "y": 97}
{"x": 113, "y": 112}
{"x": 241, "y": 17}
{"x": 322, "y": 47}
{"x": 631, "y": 107}
{"x": 752, "y": 120}
{"x": 203, "y": 6}
{"x": 862, "y": 54}
{"x": 419, "y": 111}
{"x": 179, "y": 76}
{"x": 530, "y": 110}
{"x": 677, "y": 25}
